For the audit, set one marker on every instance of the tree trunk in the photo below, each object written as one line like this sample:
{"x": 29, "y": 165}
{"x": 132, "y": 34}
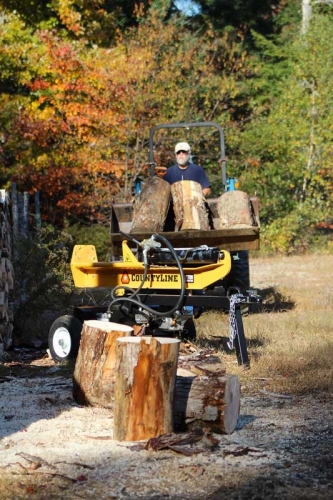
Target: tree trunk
{"x": 144, "y": 389}
{"x": 206, "y": 397}
{"x": 189, "y": 206}
{"x": 234, "y": 210}
{"x": 25, "y": 213}
{"x": 306, "y": 15}
{"x": 94, "y": 374}
{"x": 151, "y": 206}
{"x": 37, "y": 210}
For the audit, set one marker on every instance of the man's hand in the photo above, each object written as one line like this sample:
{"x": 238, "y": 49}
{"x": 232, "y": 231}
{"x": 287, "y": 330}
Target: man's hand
{"x": 206, "y": 191}
{"x": 160, "y": 171}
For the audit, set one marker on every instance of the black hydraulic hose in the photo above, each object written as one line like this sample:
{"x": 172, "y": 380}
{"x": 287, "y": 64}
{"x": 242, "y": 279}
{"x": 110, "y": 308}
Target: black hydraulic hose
{"x": 124, "y": 287}
{"x": 144, "y": 306}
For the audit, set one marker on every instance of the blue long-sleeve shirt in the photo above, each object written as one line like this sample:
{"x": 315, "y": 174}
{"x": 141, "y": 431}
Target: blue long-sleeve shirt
{"x": 192, "y": 172}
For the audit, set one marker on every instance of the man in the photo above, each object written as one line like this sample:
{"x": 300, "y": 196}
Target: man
{"x": 184, "y": 170}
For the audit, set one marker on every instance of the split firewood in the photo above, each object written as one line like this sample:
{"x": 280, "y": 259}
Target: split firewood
{"x": 189, "y": 206}
{"x": 186, "y": 443}
{"x": 144, "y": 387}
{"x": 205, "y": 395}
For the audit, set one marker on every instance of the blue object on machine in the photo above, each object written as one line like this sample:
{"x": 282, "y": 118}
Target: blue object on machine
{"x": 137, "y": 185}
{"x": 232, "y": 184}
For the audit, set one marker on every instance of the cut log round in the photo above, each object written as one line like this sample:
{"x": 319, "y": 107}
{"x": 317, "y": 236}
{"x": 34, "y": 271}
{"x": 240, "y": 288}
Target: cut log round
{"x": 144, "y": 389}
{"x": 206, "y": 397}
{"x": 234, "y": 209}
{"x": 151, "y": 206}
{"x": 94, "y": 373}
{"x": 189, "y": 206}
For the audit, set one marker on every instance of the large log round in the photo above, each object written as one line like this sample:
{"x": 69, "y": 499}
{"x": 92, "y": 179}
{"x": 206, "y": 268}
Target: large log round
{"x": 94, "y": 373}
{"x": 151, "y": 206}
{"x": 144, "y": 389}
{"x": 189, "y": 206}
{"x": 234, "y": 209}
{"x": 206, "y": 397}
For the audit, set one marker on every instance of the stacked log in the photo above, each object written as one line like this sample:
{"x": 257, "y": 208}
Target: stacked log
{"x": 189, "y": 206}
{"x": 234, "y": 210}
{"x": 6, "y": 274}
{"x": 151, "y": 206}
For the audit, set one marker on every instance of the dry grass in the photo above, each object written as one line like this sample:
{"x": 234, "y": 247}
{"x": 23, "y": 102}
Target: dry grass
{"x": 290, "y": 342}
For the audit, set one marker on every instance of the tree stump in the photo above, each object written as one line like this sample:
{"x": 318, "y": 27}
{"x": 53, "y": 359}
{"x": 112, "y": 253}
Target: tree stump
{"x": 151, "y": 206}
{"x": 189, "y": 206}
{"x": 234, "y": 210}
{"x": 144, "y": 389}
{"x": 205, "y": 396}
{"x": 94, "y": 373}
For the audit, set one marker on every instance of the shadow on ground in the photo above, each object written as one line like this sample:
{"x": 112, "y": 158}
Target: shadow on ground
{"x": 272, "y": 301}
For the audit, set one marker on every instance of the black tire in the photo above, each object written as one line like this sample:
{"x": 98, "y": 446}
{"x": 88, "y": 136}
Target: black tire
{"x": 64, "y": 338}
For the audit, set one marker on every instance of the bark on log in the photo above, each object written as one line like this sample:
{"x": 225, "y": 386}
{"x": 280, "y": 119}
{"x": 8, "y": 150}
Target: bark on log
{"x": 94, "y": 373}
{"x": 206, "y": 397}
{"x": 234, "y": 210}
{"x": 144, "y": 389}
{"x": 189, "y": 206}
{"x": 151, "y": 206}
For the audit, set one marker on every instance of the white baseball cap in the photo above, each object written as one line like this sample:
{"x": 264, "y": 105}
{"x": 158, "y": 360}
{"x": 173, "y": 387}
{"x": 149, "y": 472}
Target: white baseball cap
{"x": 182, "y": 146}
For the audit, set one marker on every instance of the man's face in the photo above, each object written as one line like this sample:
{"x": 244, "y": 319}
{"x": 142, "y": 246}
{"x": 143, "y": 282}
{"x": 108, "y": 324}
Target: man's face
{"x": 182, "y": 157}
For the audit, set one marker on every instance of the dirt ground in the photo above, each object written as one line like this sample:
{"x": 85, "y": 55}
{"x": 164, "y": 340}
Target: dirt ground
{"x": 52, "y": 448}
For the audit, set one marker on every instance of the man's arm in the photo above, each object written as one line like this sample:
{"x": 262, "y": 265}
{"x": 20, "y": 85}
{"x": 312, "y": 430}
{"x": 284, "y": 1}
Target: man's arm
{"x": 203, "y": 180}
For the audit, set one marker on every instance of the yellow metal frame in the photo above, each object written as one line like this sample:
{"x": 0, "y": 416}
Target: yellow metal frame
{"x": 87, "y": 272}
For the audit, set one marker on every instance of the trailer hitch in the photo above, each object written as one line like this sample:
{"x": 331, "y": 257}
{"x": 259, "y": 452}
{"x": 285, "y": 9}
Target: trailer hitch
{"x": 237, "y": 339}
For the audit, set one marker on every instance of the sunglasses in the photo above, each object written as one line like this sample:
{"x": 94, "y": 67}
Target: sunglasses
{"x": 182, "y": 151}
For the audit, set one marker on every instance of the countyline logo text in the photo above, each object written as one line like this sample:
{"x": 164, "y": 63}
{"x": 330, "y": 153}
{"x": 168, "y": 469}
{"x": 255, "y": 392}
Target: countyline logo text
{"x": 158, "y": 278}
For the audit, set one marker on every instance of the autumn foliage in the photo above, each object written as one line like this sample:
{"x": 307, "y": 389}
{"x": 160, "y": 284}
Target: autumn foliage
{"x": 81, "y": 128}
{"x": 82, "y": 83}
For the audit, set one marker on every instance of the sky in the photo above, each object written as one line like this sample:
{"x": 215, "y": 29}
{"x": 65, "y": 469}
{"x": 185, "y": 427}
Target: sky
{"x": 188, "y": 7}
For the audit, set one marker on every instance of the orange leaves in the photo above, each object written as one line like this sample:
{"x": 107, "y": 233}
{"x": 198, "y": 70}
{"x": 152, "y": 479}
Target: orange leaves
{"x": 39, "y": 84}
{"x": 69, "y": 16}
{"x": 253, "y": 162}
